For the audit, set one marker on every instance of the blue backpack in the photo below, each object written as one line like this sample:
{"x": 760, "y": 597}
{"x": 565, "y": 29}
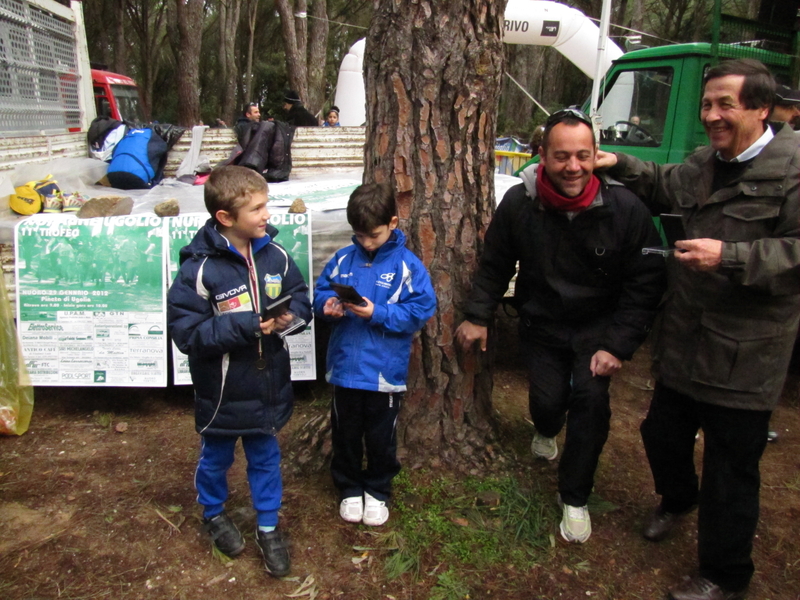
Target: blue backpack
{"x": 138, "y": 160}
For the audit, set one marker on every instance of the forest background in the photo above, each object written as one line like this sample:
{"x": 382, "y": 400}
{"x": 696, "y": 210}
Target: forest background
{"x": 199, "y": 60}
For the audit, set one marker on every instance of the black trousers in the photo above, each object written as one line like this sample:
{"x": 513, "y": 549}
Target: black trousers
{"x": 734, "y": 441}
{"x": 362, "y": 419}
{"x": 562, "y": 390}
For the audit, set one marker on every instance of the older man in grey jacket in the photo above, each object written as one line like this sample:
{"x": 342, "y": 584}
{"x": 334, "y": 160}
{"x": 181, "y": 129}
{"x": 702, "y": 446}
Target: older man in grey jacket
{"x": 723, "y": 342}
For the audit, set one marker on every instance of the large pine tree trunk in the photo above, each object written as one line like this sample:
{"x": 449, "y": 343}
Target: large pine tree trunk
{"x": 433, "y": 72}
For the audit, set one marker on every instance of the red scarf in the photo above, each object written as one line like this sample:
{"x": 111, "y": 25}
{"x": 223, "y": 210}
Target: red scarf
{"x": 553, "y": 199}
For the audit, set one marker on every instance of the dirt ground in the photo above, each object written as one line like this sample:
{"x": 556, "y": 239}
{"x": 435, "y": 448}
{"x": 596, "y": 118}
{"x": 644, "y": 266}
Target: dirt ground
{"x": 89, "y": 512}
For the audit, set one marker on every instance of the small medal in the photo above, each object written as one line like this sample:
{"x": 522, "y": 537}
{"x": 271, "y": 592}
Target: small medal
{"x": 261, "y": 364}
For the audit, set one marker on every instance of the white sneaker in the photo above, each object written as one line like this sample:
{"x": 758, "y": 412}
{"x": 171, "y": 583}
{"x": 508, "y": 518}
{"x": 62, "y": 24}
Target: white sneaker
{"x": 576, "y": 526}
{"x": 544, "y": 447}
{"x": 375, "y": 511}
{"x": 352, "y": 509}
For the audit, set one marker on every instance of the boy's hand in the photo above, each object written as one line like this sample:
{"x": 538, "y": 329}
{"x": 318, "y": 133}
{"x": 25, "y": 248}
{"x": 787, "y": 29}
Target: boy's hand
{"x": 283, "y": 321}
{"x": 365, "y": 312}
{"x": 333, "y": 308}
{"x": 268, "y": 326}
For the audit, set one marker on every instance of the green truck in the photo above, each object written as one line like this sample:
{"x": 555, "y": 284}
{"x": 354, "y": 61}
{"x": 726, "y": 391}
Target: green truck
{"x": 650, "y": 101}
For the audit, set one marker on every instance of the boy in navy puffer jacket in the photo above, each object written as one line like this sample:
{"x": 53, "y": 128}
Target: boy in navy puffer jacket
{"x": 239, "y": 363}
{"x": 369, "y": 349}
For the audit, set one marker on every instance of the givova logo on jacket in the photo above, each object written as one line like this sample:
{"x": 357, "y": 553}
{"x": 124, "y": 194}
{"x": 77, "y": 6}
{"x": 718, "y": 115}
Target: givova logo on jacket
{"x": 273, "y": 284}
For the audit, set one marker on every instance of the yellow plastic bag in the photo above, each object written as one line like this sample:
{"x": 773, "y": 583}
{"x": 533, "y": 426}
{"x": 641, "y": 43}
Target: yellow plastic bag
{"x": 16, "y": 392}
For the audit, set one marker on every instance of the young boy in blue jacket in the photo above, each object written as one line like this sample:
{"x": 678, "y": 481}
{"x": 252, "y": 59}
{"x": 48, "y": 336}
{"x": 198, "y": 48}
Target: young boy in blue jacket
{"x": 369, "y": 349}
{"x": 238, "y": 361}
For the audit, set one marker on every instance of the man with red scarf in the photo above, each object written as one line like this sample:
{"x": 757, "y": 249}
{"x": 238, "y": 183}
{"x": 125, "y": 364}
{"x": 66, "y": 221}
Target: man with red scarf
{"x": 585, "y": 293}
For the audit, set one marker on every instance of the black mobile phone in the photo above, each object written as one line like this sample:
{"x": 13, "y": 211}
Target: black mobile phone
{"x": 277, "y": 308}
{"x": 673, "y": 229}
{"x": 347, "y": 293}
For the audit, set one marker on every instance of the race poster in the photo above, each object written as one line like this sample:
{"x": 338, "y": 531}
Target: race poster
{"x": 91, "y": 300}
{"x": 295, "y": 237}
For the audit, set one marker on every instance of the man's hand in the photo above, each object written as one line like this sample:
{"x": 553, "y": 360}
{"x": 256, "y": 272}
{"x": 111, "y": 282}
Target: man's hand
{"x": 701, "y": 254}
{"x": 604, "y": 160}
{"x": 468, "y": 333}
{"x": 604, "y": 364}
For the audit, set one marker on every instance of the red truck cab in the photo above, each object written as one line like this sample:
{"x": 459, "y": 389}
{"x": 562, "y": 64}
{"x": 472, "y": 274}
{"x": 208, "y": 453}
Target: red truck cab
{"x": 116, "y": 96}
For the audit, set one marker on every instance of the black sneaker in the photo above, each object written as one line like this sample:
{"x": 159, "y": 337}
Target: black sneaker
{"x": 225, "y": 535}
{"x": 275, "y": 551}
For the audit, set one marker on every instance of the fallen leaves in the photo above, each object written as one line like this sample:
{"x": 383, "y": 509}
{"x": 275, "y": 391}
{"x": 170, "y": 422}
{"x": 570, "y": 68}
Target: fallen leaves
{"x": 307, "y": 588}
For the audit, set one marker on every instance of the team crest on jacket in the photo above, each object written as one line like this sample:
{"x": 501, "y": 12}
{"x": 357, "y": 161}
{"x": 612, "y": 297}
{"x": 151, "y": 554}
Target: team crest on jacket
{"x": 273, "y": 284}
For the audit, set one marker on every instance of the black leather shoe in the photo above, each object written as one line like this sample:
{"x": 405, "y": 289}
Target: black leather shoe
{"x": 661, "y": 523}
{"x": 225, "y": 535}
{"x": 700, "y": 588}
{"x": 275, "y": 551}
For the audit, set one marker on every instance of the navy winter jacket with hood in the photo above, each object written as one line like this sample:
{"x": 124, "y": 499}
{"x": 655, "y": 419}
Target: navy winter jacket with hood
{"x": 213, "y": 317}
{"x": 372, "y": 354}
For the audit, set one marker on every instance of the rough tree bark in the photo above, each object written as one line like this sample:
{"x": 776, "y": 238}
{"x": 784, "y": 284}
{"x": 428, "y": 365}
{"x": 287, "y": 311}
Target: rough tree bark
{"x": 186, "y": 26}
{"x": 229, "y": 11}
{"x": 318, "y": 30}
{"x": 433, "y": 73}
{"x": 147, "y": 20}
{"x": 120, "y": 64}
{"x": 252, "y": 11}
{"x": 305, "y": 46}
{"x": 294, "y": 31}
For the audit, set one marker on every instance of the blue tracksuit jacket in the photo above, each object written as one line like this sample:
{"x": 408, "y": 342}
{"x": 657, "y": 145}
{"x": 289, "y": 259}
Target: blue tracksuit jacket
{"x": 373, "y": 354}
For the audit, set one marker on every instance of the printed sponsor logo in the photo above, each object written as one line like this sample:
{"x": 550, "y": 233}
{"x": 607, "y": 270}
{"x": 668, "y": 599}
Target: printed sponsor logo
{"x": 385, "y": 280}
{"x": 234, "y": 292}
{"x": 241, "y": 302}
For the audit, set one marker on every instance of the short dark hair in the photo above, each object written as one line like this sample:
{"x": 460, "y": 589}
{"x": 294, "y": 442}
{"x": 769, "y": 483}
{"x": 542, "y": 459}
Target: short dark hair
{"x": 758, "y": 88}
{"x": 247, "y": 107}
{"x": 571, "y": 116}
{"x": 229, "y": 187}
{"x": 370, "y": 206}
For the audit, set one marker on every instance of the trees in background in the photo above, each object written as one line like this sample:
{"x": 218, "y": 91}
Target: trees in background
{"x": 224, "y": 53}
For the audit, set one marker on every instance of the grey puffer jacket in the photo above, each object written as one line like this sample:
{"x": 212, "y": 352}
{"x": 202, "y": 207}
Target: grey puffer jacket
{"x": 725, "y": 337}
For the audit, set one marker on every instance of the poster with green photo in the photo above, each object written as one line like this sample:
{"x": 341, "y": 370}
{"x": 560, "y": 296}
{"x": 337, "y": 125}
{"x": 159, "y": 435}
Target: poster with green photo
{"x": 294, "y": 234}
{"x": 91, "y": 300}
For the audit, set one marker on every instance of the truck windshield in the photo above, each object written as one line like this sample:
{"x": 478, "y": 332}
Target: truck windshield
{"x": 633, "y": 110}
{"x": 127, "y": 97}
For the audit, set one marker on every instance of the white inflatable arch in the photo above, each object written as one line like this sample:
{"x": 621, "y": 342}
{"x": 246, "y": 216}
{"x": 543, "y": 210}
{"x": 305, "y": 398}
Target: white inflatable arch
{"x": 531, "y": 22}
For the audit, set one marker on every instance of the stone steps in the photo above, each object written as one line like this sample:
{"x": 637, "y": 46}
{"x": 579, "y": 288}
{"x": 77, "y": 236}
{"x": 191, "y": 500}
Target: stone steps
{"x": 312, "y": 148}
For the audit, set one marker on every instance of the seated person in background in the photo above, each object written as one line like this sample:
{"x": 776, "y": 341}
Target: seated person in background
{"x": 332, "y": 118}
{"x": 296, "y": 113}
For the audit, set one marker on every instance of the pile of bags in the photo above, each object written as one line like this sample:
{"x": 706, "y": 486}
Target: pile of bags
{"x": 136, "y": 153}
